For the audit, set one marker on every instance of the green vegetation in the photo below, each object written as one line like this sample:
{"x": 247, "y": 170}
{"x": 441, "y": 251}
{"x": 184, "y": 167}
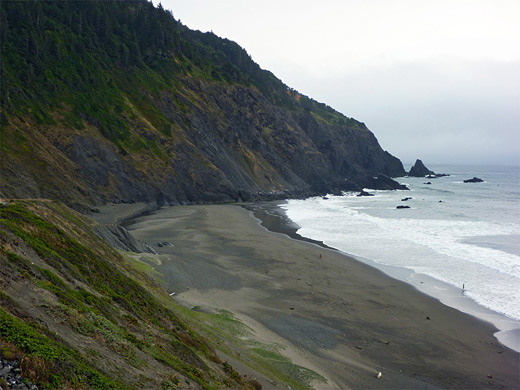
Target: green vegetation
{"x": 75, "y": 282}
{"x": 238, "y": 340}
{"x": 59, "y": 362}
{"x": 88, "y": 59}
{"x": 141, "y": 265}
{"x": 69, "y": 256}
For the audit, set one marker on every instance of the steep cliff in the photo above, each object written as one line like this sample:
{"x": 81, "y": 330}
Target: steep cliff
{"x": 119, "y": 102}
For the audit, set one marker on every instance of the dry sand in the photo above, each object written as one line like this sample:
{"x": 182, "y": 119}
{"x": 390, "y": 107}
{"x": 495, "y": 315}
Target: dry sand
{"x": 335, "y": 315}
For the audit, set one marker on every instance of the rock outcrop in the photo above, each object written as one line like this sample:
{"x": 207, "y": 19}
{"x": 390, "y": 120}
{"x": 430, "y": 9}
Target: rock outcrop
{"x": 420, "y": 170}
{"x": 474, "y": 180}
{"x": 10, "y": 375}
{"x": 238, "y": 147}
{"x": 365, "y": 193}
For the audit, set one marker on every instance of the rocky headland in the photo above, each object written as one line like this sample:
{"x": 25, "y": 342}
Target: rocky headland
{"x": 187, "y": 118}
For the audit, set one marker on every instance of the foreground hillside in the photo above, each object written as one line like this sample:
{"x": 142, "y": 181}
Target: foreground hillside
{"x": 77, "y": 315}
{"x": 119, "y": 102}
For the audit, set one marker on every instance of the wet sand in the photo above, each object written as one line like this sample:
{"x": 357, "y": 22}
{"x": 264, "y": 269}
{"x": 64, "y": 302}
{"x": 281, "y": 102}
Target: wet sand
{"x": 335, "y": 315}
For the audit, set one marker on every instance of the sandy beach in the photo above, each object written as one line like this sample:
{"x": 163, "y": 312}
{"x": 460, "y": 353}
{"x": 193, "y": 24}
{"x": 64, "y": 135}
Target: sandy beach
{"x": 334, "y": 315}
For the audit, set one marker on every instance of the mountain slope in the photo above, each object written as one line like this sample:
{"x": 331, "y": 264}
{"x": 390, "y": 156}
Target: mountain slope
{"x": 119, "y": 102}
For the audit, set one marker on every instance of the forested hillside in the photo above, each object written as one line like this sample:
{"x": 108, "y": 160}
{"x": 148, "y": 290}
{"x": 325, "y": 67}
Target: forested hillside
{"x": 117, "y": 101}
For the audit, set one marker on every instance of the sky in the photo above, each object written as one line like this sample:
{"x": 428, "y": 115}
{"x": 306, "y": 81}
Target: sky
{"x": 435, "y": 80}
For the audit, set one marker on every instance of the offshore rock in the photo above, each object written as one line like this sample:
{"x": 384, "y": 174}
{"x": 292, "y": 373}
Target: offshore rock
{"x": 364, "y": 193}
{"x": 420, "y": 170}
{"x": 474, "y": 180}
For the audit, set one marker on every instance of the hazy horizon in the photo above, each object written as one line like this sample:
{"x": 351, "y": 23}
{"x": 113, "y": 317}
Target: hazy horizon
{"x": 438, "y": 81}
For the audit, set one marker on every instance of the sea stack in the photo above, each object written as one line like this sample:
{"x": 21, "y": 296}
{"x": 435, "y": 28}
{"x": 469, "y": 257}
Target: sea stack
{"x": 420, "y": 170}
{"x": 474, "y": 180}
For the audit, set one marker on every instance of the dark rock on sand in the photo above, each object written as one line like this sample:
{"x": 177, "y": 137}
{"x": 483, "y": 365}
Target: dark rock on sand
{"x": 120, "y": 238}
{"x": 164, "y": 243}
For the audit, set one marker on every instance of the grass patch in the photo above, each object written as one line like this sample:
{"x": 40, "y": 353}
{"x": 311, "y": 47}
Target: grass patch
{"x": 237, "y": 339}
{"x": 56, "y": 364}
{"x": 142, "y": 266}
{"x": 69, "y": 256}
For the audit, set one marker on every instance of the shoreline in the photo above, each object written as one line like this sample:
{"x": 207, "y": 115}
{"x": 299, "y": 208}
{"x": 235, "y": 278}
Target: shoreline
{"x": 343, "y": 318}
{"x": 273, "y": 218}
{"x": 508, "y": 329}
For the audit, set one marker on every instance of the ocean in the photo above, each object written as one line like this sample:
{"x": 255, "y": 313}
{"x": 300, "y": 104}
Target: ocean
{"x": 459, "y": 242}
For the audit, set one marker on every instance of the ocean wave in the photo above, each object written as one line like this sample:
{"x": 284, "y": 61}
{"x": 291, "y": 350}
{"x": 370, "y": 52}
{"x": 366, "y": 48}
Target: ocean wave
{"x": 436, "y": 241}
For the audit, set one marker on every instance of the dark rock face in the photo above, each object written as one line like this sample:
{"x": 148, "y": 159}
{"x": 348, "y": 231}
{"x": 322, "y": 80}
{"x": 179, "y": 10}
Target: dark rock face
{"x": 235, "y": 145}
{"x": 383, "y": 182}
{"x": 420, "y": 170}
{"x": 120, "y": 238}
{"x": 474, "y": 180}
{"x": 290, "y": 151}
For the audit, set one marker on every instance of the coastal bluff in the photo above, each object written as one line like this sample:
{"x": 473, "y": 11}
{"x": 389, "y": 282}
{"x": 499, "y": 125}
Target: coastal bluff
{"x": 168, "y": 116}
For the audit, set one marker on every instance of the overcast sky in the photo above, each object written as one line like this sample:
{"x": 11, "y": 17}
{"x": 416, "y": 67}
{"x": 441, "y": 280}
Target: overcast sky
{"x": 437, "y": 80}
